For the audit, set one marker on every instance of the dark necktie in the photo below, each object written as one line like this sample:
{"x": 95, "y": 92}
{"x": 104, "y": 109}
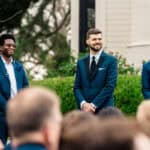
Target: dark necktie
{"x": 93, "y": 64}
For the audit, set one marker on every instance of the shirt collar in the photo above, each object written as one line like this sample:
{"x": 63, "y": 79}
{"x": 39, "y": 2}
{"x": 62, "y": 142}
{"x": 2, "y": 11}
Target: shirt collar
{"x": 4, "y": 61}
{"x": 97, "y": 56}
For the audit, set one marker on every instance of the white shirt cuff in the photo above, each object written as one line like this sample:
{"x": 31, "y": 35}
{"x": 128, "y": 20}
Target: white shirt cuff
{"x": 81, "y": 104}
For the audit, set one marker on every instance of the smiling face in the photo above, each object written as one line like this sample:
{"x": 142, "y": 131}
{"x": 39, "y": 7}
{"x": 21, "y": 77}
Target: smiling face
{"x": 8, "y": 48}
{"x": 94, "y": 42}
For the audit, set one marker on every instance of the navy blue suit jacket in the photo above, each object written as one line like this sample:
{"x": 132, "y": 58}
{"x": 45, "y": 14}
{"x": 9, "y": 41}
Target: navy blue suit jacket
{"x": 27, "y": 146}
{"x": 21, "y": 80}
{"x": 99, "y": 88}
{"x": 146, "y": 80}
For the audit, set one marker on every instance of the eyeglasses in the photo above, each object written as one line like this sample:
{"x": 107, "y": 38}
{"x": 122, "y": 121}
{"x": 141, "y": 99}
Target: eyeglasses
{"x": 10, "y": 45}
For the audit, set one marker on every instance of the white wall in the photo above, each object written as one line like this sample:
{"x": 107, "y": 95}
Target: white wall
{"x": 75, "y": 27}
{"x": 125, "y": 24}
{"x": 139, "y": 47}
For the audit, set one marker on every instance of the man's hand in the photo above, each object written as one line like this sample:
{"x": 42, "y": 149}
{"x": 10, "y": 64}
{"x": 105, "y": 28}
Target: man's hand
{"x": 87, "y": 107}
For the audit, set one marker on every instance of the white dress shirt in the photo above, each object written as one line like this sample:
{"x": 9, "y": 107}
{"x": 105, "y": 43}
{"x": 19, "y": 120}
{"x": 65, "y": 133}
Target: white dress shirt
{"x": 10, "y": 71}
{"x": 97, "y": 56}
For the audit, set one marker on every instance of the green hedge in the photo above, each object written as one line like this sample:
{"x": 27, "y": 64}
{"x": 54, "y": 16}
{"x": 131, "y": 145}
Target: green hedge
{"x": 127, "y": 93}
{"x": 64, "y": 88}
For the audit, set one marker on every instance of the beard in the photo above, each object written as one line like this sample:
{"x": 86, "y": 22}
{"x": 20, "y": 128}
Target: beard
{"x": 94, "y": 49}
{"x": 7, "y": 54}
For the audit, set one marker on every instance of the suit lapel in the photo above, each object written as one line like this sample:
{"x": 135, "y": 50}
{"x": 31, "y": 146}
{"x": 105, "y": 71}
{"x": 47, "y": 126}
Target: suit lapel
{"x": 101, "y": 59}
{"x": 87, "y": 63}
{"x": 4, "y": 71}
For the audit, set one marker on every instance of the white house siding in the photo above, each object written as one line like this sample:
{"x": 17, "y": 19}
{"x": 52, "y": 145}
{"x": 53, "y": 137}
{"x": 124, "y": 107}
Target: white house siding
{"x": 118, "y": 25}
{"x": 126, "y": 27}
{"x": 139, "y": 46}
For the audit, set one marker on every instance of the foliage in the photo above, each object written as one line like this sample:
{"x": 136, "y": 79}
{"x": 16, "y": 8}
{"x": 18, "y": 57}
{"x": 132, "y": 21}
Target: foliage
{"x": 123, "y": 66}
{"x": 63, "y": 87}
{"x": 41, "y": 31}
{"x": 11, "y": 13}
{"x": 45, "y": 32}
{"x": 82, "y": 54}
{"x": 61, "y": 52}
{"x": 127, "y": 93}
{"x": 65, "y": 69}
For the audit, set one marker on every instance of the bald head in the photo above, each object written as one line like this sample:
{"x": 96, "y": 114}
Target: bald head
{"x": 30, "y": 109}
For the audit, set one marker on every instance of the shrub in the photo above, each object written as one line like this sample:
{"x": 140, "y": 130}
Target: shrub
{"x": 64, "y": 69}
{"x": 123, "y": 66}
{"x": 127, "y": 93}
{"x": 64, "y": 88}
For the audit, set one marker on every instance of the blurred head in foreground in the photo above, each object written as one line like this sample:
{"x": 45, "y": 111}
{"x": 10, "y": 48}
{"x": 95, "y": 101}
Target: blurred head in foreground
{"x": 33, "y": 115}
{"x": 108, "y": 134}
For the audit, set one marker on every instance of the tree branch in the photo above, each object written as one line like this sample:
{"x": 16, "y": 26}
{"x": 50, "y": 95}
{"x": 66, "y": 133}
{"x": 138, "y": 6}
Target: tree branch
{"x": 60, "y": 25}
{"x": 11, "y": 17}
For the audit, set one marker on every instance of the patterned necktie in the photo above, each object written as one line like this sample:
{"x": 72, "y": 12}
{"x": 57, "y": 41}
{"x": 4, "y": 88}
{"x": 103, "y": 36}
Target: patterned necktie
{"x": 93, "y": 64}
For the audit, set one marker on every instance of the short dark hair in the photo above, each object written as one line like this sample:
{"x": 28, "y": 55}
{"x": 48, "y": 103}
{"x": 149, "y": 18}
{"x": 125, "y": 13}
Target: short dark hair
{"x": 103, "y": 134}
{"x": 76, "y": 117}
{"x": 5, "y": 36}
{"x": 92, "y": 31}
{"x": 110, "y": 112}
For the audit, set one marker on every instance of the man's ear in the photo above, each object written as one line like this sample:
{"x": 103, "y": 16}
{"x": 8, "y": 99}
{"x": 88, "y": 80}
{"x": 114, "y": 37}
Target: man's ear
{"x": 87, "y": 41}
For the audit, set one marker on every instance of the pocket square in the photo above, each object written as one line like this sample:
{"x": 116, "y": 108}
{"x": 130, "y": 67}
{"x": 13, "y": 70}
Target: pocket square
{"x": 101, "y": 69}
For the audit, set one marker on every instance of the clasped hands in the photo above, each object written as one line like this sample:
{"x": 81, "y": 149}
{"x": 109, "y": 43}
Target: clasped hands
{"x": 88, "y": 107}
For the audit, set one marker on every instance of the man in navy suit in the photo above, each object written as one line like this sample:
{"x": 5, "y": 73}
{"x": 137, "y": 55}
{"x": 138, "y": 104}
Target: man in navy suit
{"x": 12, "y": 78}
{"x": 37, "y": 123}
{"x": 146, "y": 80}
{"x": 96, "y": 76}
